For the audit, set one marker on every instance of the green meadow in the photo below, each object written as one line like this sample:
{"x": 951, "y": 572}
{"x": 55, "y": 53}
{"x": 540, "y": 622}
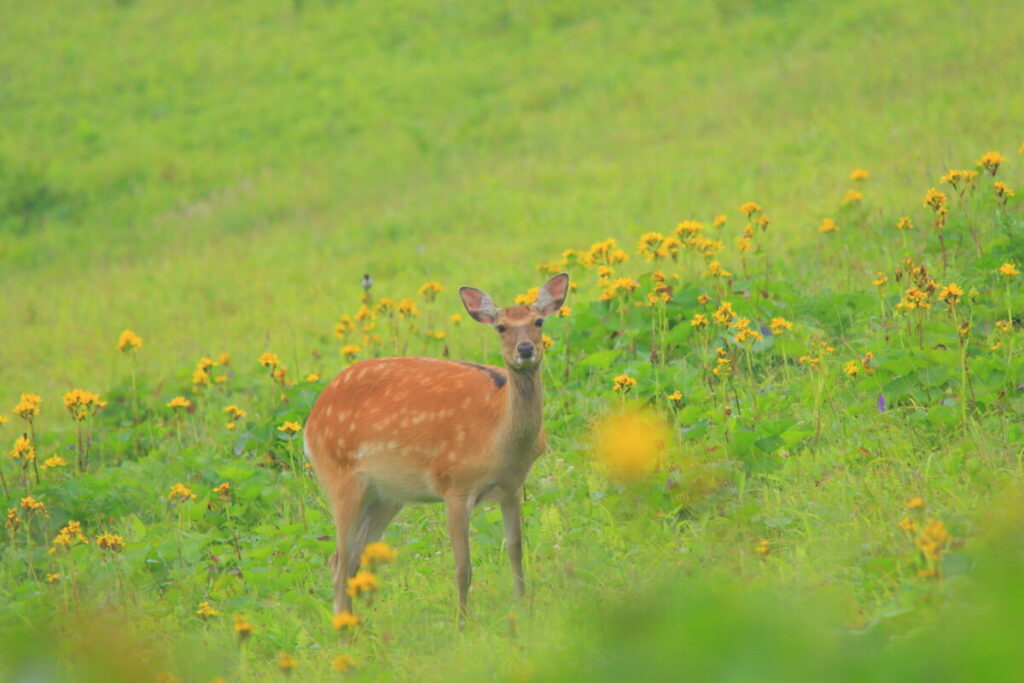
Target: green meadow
{"x": 793, "y": 238}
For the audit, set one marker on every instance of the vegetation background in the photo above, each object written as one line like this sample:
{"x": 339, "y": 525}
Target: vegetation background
{"x": 217, "y": 177}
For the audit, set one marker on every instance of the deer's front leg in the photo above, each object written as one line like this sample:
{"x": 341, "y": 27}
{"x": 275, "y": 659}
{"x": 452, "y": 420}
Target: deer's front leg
{"x": 457, "y": 511}
{"x": 511, "y": 519}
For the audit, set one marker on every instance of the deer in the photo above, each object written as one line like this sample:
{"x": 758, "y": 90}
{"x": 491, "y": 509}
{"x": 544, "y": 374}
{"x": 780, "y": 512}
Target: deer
{"x": 388, "y": 432}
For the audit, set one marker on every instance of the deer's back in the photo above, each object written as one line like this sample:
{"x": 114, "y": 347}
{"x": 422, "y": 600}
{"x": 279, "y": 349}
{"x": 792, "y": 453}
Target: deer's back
{"x": 410, "y": 426}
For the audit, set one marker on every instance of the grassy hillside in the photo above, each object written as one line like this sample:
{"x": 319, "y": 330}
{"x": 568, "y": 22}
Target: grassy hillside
{"x": 218, "y": 177}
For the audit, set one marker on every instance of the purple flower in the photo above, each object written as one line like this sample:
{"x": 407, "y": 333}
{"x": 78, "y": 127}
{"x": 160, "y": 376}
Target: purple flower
{"x": 881, "y": 403}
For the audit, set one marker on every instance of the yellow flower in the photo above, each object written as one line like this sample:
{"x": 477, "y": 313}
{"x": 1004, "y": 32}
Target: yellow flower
{"x": 224, "y": 359}
{"x": 778, "y": 325}
{"x": 828, "y": 225}
{"x": 180, "y": 492}
{"x": 285, "y": 662}
{"x": 12, "y": 522}
{"x": 564, "y": 312}
{"x": 179, "y": 402}
{"x": 430, "y": 290}
{"x": 312, "y": 377}
{"x": 907, "y": 524}
{"x": 954, "y": 177}
{"x": 724, "y": 314}
{"x": 699, "y": 321}
{"x": 631, "y": 444}
{"x": 110, "y": 542}
{"x": 749, "y": 208}
{"x": 703, "y": 299}
{"x": 623, "y": 383}
{"x": 1002, "y": 190}
{"x": 3, "y": 419}
{"x": 269, "y": 360}
{"x": 350, "y": 351}
{"x": 362, "y": 582}
{"x": 904, "y": 223}
{"x": 207, "y": 610}
{"x": 688, "y": 228}
{"x": 55, "y": 461}
{"x": 290, "y": 427}
{"x": 223, "y": 491}
{"x": 547, "y": 341}
{"x": 52, "y": 578}
{"x": 719, "y": 221}
{"x": 1009, "y": 270}
{"x": 676, "y": 397}
{"x": 128, "y": 341}
{"x": 859, "y": 174}
{"x": 879, "y": 280}
{"x": 649, "y": 244}
{"x": 715, "y": 270}
{"x": 935, "y": 200}
{"x": 23, "y": 449}
{"x": 1004, "y": 325}
{"x": 933, "y": 539}
{"x": 82, "y": 404}
{"x": 30, "y": 504}
{"x": 69, "y": 535}
{"x": 852, "y": 197}
{"x": 234, "y": 412}
{"x": 343, "y": 664}
{"x": 456, "y": 319}
{"x": 851, "y": 368}
{"x": 762, "y": 547}
{"x": 990, "y": 161}
{"x": 243, "y": 629}
{"x": 230, "y": 426}
{"x": 344, "y": 620}
{"x": 28, "y": 406}
{"x": 375, "y": 554}
{"x": 916, "y": 502}
{"x": 951, "y": 293}
{"x": 407, "y": 308}
{"x": 743, "y": 243}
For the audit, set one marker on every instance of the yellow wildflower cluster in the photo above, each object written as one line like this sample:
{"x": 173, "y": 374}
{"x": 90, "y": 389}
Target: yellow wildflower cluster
{"x": 748, "y": 209}
{"x": 904, "y": 223}
{"x": 28, "y": 406}
{"x": 376, "y": 554}
{"x": 23, "y": 449}
{"x": 623, "y": 286}
{"x": 1009, "y": 270}
{"x": 828, "y": 225}
{"x": 430, "y": 290}
{"x": 723, "y": 363}
{"x": 363, "y": 582}
{"x": 223, "y": 491}
{"x": 31, "y": 505}
{"x": 69, "y": 536}
{"x": 290, "y": 427}
{"x": 859, "y": 174}
{"x": 345, "y": 621}
{"x": 110, "y": 542}
{"x": 234, "y": 412}
{"x": 933, "y": 539}
{"x": 286, "y": 663}
{"x": 179, "y": 402}
{"x": 82, "y": 404}
{"x": 206, "y": 610}
{"x": 128, "y": 342}
{"x": 54, "y": 462}
{"x": 407, "y": 308}
{"x": 699, "y": 321}
{"x": 745, "y": 333}
{"x": 990, "y": 162}
{"x": 243, "y": 629}
{"x": 950, "y": 293}
{"x": 724, "y": 314}
{"x": 623, "y": 383}
{"x": 853, "y": 197}
{"x": 528, "y": 298}
{"x": 779, "y": 325}
{"x": 631, "y": 444}
{"x": 350, "y": 351}
{"x": 956, "y": 178}
{"x": 180, "y": 492}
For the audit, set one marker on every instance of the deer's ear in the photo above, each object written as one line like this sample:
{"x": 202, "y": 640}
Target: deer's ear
{"x": 551, "y": 296}
{"x": 479, "y": 305}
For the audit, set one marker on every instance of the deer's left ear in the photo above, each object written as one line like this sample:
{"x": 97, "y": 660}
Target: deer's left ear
{"x": 551, "y": 296}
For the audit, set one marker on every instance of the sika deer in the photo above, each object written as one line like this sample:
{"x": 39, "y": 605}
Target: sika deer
{"x": 392, "y": 431}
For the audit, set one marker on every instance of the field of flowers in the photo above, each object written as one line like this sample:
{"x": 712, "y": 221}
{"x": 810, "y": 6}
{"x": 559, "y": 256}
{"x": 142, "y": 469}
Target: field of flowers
{"x": 783, "y": 399}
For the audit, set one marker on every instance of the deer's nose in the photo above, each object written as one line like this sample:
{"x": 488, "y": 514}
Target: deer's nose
{"x": 525, "y": 350}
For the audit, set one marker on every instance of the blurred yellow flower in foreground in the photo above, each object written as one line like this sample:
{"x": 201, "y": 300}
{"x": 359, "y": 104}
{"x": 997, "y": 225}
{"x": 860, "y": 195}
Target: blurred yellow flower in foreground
{"x": 630, "y": 444}
{"x": 128, "y": 341}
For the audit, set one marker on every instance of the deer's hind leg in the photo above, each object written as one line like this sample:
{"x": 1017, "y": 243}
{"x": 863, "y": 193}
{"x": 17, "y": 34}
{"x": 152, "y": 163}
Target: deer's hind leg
{"x": 347, "y": 501}
{"x": 374, "y": 517}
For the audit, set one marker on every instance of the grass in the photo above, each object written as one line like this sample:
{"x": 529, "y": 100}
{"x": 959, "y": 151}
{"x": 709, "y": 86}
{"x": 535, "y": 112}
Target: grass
{"x": 219, "y": 178}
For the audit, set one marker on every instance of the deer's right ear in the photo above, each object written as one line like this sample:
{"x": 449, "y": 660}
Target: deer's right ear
{"x": 479, "y": 305}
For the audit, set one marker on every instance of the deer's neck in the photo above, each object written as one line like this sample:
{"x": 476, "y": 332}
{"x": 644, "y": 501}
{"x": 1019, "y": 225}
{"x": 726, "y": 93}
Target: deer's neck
{"x": 524, "y": 413}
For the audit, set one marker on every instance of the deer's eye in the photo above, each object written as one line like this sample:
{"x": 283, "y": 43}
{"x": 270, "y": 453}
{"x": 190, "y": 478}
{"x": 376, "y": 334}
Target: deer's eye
{"x": 540, "y": 322}
{"x": 500, "y": 328}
